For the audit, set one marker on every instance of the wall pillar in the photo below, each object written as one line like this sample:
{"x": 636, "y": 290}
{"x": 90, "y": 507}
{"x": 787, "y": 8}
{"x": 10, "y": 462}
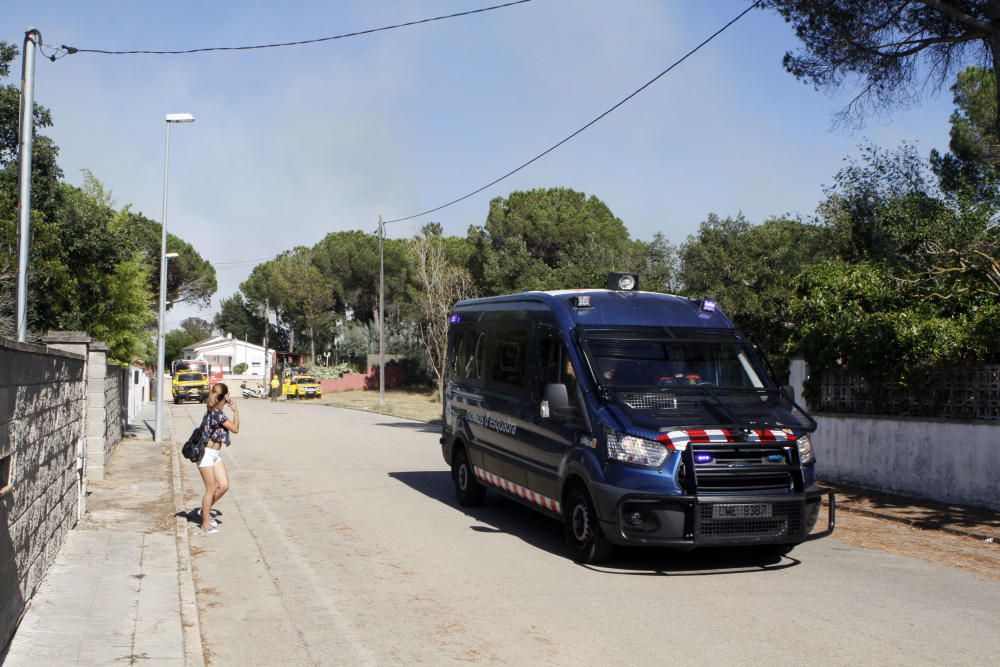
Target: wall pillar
{"x": 798, "y": 373}
{"x": 97, "y": 412}
{"x": 77, "y": 342}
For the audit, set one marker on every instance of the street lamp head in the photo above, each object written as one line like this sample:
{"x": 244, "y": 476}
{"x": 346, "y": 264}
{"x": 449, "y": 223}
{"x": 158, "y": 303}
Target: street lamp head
{"x": 171, "y": 255}
{"x": 179, "y": 118}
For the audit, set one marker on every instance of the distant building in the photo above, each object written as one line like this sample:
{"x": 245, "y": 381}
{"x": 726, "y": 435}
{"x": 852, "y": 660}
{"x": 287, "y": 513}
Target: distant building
{"x": 230, "y": 352}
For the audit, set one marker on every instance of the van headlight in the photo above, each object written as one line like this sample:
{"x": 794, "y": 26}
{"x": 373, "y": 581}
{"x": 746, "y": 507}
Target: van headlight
{"x": 635, "y": 451}
{"x": 806, "y": 455}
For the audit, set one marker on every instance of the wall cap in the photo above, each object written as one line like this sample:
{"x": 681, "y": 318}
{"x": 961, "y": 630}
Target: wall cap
{"x": 11, "y": 344}
{"x": 905, "y": 418}
{"x": 66, "y": 337}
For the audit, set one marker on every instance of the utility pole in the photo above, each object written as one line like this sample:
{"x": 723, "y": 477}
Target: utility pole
{"x": 27, "y": 129}
{"x": 381, "y": 312}
{"x": 267, "y": 357}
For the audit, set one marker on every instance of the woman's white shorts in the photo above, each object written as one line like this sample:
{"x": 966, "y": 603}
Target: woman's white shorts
{"x": 210, "y": 458}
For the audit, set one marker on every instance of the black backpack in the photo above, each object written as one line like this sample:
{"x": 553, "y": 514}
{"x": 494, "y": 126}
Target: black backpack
{"x": 194, "y": 449}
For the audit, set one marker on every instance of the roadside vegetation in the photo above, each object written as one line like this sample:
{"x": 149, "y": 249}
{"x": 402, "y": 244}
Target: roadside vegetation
{"x": 94, "y": 265}
{"x": 896, "y": 274}
{"x": 409, "y": 403}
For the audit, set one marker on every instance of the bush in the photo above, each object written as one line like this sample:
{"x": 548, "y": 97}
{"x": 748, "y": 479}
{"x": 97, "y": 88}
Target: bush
{"x": 239, "y": 369}
{"x": 331, "y": 372}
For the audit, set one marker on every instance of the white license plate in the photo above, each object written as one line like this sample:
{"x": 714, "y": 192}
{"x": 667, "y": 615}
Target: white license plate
{"x": 749, "y": 511}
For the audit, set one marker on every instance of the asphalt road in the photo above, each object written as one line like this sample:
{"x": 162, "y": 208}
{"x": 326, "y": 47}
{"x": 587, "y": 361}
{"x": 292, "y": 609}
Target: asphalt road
{"x": 341, "y": 544}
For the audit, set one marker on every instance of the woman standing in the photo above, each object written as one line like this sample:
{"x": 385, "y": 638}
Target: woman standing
{"x": 218, "y": 426}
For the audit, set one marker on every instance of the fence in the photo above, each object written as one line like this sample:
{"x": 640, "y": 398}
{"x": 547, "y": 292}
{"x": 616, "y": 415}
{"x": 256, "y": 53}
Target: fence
{"x": 62, "y": 412}
{"x": 959, "y": 392}
{"x": 945, "y": 447}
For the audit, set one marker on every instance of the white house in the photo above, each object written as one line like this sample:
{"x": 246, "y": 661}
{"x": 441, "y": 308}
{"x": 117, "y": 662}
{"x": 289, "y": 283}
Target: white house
{"x": 230, "y": 352}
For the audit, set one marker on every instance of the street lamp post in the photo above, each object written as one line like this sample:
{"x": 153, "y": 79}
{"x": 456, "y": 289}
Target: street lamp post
{"x": 170, "y": 118}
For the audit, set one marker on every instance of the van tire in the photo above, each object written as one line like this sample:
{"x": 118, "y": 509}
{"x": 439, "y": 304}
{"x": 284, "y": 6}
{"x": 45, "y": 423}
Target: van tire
{"x": 468, "y": 490}
{"x": 584, "y": 537}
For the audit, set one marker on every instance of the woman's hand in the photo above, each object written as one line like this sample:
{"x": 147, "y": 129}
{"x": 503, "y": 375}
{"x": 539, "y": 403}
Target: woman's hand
{"x": 232, "y": 425}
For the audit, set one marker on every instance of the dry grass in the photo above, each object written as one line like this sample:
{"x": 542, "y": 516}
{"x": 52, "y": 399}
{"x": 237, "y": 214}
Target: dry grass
{"x": 422, "y": 405}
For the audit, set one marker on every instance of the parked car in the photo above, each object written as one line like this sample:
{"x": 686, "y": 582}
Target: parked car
{"x": 189, "y": 386}
{"x": 302, "y": 386}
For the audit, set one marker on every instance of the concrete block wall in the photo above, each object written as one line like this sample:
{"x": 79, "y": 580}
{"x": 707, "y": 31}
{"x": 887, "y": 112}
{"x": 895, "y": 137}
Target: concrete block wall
{"x": 115, "y": 407}
{"x": 946, "y": 460}
{"x": 943, "y": 460}
{"x": 42, "y": 424}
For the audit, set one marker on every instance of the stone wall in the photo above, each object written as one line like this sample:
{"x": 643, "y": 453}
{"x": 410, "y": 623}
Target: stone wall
{"x": 42, "y": 426}
{"x": 115, "y": 407}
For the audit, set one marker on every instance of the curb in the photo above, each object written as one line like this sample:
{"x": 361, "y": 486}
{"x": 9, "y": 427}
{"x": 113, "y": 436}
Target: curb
{"x": 190, "y": 623}
{"x": 918, "y": 523}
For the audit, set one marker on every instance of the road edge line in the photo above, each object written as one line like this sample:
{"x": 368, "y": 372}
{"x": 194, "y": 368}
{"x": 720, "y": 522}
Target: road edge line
{"x": 194, "y": 653}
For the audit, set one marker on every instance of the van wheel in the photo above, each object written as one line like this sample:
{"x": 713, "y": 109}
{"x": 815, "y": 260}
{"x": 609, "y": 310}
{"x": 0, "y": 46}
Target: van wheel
{"x": 584, "y": 537}
{"x": 468, "y": 490}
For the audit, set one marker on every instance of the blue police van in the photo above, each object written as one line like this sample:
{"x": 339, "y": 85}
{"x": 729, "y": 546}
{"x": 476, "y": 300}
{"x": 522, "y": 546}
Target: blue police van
{"x": 635, "y": 418}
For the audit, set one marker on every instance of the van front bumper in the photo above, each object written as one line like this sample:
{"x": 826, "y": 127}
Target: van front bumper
{"x": 689, "y": 521}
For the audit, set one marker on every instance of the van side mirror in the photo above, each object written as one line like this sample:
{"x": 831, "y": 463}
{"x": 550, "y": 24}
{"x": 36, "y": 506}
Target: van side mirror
{"x": 788, "y": 392}
{"x": 555, "y": 400}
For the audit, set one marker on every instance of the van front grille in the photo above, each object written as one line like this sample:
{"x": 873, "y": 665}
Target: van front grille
{"x": 738, "y": 468}
{"x": 785, "y": 521}
{"x": 744, "y": 481}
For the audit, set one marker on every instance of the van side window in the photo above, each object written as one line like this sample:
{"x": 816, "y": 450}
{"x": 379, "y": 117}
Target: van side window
{"x": 477, "y": 359}
{"x": 510, "y": 355}
{"x": 554, "y": 365}
{"x": 458, "y": 354}
{"x": 470, "y": 348}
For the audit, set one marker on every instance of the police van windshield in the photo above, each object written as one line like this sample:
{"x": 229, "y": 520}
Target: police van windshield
{"x": 669, "y": 358}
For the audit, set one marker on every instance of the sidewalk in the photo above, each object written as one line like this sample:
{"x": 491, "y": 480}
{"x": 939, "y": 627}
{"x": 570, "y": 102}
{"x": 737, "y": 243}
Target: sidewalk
{"x": 114, "y": 593}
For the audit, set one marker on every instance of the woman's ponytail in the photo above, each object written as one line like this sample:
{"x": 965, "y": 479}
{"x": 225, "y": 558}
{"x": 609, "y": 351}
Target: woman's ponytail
{"x": 217, "y": 396}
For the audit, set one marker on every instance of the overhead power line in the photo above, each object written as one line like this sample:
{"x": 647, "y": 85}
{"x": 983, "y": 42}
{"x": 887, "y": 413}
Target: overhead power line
{"x": 69, "y": 50}
{"x": 592, "y": 122}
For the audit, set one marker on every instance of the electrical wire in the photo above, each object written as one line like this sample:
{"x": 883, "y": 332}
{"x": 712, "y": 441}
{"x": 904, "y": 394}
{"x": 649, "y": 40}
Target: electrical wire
{"x": 592, "y": 122}
{"x": 72, "y": 49}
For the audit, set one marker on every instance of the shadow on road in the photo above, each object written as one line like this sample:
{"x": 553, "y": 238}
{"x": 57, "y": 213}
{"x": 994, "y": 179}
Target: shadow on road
{"x": 423, "y": 427}
{"x": 502, "y": 515}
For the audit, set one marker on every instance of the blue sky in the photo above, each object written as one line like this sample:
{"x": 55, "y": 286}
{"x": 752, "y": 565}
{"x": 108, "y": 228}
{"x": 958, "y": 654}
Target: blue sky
{"x": 291, "y": 144}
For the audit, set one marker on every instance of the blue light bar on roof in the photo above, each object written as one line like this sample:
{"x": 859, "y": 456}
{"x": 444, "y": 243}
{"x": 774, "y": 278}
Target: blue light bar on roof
{"x": 454, "y": 319}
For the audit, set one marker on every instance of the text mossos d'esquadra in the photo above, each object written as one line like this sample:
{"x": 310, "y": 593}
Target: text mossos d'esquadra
{"x": 498, "y": 424}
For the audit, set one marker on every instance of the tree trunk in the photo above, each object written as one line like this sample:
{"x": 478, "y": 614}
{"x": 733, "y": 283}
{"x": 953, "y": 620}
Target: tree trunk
{"x": 312, "y": 344}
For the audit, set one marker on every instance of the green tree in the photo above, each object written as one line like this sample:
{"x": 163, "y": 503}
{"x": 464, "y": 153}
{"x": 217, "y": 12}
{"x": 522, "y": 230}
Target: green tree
{"x": 350, "y": 261}
{"x": 750, "y": 271}
{"x": 190, "y": 277}
{"x": 196, "y": 326}
{"x": 972, "y": 166}
{"x": 547, "y": 239}
{"x": 896, "y": 49}
{"x": 88, "y": 267}
{"x": 917, "y": 282}
{"x": 239, "y": 319}
{"x": 175, "y": 341}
